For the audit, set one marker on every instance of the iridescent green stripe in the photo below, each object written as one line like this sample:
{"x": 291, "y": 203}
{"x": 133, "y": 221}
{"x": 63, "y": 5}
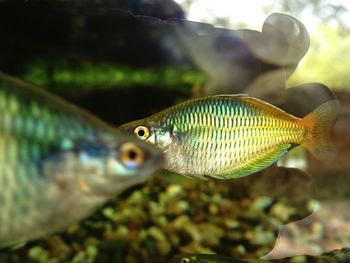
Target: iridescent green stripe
{"x": 229, "y": 131}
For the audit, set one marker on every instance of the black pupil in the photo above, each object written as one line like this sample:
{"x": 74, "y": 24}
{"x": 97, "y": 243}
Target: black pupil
{"x": 141, "y": 133}
{"x": 132, "y": 155}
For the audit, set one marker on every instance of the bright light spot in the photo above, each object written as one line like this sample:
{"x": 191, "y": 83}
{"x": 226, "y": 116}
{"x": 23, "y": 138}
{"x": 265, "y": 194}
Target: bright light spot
{"x": 249, "y": 12}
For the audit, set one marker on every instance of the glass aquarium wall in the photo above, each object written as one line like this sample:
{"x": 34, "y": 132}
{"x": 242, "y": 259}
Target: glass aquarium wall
{"x": 243, "y": 177}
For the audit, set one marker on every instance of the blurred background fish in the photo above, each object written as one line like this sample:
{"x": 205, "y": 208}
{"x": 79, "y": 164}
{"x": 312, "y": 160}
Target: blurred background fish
{"x": 58, "y": 163}
{"x": 228, "y": 57}
{"x": 203, "y": 258}
{"x": 334, "y": 256}
{"x": 232, "y": 136}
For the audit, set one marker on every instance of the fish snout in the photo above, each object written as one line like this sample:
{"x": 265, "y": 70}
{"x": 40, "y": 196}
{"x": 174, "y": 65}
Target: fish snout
{"x": 139, "y": 158}
{"x": 154, "y": 158}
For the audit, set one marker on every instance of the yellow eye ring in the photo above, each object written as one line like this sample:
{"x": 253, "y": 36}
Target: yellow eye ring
{"x": 142, "y": 132}
{"x": 131, "y": 155}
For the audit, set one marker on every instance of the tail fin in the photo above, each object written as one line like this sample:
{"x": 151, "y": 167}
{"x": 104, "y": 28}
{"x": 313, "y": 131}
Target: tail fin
{"x": 318, "y": 124}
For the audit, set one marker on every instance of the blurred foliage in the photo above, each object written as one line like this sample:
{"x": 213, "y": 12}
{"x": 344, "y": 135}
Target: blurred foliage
{"x": 61, "y": 75}
{"x": 328, "y": 58}
{"x": 324, "y": 11}
{"x": 327, "y": 61}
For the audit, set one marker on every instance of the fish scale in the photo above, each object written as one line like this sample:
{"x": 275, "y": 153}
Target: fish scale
{"x": 231, "y": 136}
{"x": 48, "y": 177}
{"x": 23, "y": 142}
{"x": 245, "y": 125}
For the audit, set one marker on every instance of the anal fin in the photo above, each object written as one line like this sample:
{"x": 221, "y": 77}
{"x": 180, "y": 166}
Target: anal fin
{"x": 256, "y": 164}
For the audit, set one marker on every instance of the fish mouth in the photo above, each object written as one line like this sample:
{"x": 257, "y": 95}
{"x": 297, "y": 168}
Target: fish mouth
{"x": 158, "y": 159}
{"x": 153, "y": 158}
{"x": 153, "y": 164}
{"x": 118, "y": 184}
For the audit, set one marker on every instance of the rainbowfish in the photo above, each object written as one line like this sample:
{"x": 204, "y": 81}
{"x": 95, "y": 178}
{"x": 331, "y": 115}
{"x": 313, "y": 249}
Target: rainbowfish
{"x": 205, "y": 258}
{"x": 229, "y": 136}
{"x": 59, "y": 163}
{"x": 334, "y": 256}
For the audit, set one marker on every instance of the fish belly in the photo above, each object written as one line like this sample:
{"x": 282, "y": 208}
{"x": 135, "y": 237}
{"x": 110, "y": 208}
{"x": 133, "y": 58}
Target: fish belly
{"x": 31, "y": 204}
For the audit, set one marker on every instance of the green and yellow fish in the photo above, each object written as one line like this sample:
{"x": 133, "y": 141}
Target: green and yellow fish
{"x": 206, "y": 258}
{"x": 335, "y": 256}
{"x": 58, "y": 163}
{"x": 232, "y": 136}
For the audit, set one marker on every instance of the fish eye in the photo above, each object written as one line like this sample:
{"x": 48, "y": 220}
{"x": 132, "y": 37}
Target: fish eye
{"x": 142, "y": 132}
{"x": 131, "y": 155}
{"x": 185, "y": 260}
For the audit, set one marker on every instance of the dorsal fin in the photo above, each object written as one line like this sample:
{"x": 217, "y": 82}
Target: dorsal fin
{"x": 232, "y": 95}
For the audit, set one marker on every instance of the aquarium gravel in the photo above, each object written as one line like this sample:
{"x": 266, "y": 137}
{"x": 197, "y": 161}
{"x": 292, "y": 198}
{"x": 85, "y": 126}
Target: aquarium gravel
{"x": 168, "y": 215}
